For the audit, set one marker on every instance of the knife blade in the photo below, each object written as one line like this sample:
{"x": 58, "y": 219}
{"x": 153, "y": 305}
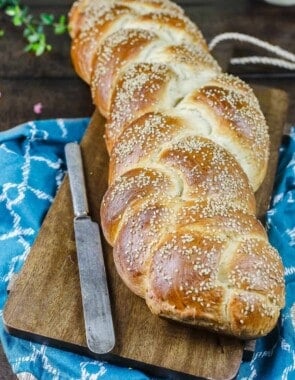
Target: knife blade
{"x": 98, "y": 320}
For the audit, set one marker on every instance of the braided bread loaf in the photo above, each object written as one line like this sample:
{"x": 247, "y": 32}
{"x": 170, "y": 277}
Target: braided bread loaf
{"x": 188, "y": 147}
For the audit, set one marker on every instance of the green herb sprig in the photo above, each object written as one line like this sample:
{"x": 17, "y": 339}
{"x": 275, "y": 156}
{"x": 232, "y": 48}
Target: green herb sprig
{"x": 34, "y": 27}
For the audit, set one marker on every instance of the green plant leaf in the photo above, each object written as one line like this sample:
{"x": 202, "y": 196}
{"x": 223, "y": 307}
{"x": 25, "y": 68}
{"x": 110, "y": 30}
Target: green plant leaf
{"x": 29, "y": 29}
{"x": 60, "y": 29}
{"x": 5, "y": 3}
{"x": 29, "y": 48}
{"x": 17, "y": 20}
{"x": 34, "y": 28}
{"x": 10, "y": 11}
{"x": 61, "y": 26}
{"x": 46, "y": 18}
{"x": 33, "y": 37}
{"x": 40, "y": 50}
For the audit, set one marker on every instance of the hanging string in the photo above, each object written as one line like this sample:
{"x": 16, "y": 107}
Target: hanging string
{"x": 287, "y": 60}
{"x": 264, "y": 61}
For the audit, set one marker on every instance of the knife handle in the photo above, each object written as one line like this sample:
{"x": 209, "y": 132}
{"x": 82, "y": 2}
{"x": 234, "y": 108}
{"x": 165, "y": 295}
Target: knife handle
{"x": 77, "y": 181}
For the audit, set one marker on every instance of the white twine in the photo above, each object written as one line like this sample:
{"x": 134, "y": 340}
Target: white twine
{"x": 263, "y": 60}
{"x": 288, "y": 61}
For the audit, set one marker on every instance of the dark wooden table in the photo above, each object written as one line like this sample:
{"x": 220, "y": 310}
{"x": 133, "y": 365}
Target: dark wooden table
{"x": 26, "y": 80}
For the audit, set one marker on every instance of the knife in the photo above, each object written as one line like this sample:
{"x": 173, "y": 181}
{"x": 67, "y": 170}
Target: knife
{"x": 99, "y": 327}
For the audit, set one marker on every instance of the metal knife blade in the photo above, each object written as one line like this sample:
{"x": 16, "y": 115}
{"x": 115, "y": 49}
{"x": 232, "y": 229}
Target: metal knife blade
{"x": 99, "y": 327}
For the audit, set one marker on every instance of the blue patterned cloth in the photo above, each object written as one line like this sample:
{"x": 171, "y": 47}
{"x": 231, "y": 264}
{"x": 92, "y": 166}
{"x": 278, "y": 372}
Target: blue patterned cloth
{"x": 274, "y": 357}
{"x": 32, "y": 166}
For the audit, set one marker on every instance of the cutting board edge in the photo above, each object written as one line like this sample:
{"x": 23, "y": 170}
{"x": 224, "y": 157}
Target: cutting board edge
{"x": 148, "y": 368}
{"x": 96, "y": 114}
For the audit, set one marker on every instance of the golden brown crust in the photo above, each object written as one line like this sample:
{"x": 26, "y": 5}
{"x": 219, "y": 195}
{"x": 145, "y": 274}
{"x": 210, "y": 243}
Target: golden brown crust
{"x": 112, "y": 56}
{"x": 179, "y": 27}
{"x": 192, "y": 276}
{"x": 182, "y": 277}
{"x": 142, "y": 139}
{"x": 85, "y": 44}
{"x": 141, "y": 89}
{"x": 135, "y": 185}
{"x": 84, "y": 14}
{"x": 188, "y": 147}
{"x": 237, "y": 123}
{"x": 207, "y": 171}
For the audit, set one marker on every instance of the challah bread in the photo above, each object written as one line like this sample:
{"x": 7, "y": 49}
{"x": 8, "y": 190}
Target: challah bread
{"x": 188, "y": 147}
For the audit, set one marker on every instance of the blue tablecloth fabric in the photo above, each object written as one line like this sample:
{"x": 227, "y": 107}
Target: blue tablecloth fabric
{"x": 32, "y": 166}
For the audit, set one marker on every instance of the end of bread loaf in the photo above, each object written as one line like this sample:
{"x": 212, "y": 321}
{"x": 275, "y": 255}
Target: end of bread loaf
{"x": 217, "y": 277}
{"x": 188, "y": 148}
{"x": 191, "y": 259}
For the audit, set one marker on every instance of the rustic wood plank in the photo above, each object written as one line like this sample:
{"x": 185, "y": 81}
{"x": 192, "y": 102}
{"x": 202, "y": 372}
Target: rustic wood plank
{"x": 212, "y": 17}
{"x": 254, "y": 18}
{"x": 267, "y": 22}
{"x": 5, "y": 370}
{"x": 285, "y": 85}
{"x": 275, "y": 110}
{"x": 141, "y": 337}
{"x": 15, "y": 63}
{"x": 33, "y": 4}
{"x": 60, "y": 98}
{"x": 48, "y": 286}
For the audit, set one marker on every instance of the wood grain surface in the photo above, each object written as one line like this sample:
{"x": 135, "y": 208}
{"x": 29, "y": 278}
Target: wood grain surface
{"x": 50, "y": 79}
{"x": 275, "y": 108}
{"x": 5, "y": 371}
{"x": 45, "y": 302}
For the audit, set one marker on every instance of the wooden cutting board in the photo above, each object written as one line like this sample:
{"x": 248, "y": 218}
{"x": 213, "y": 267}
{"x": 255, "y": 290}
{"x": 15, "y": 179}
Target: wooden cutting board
{"x": 45, "y": 302}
